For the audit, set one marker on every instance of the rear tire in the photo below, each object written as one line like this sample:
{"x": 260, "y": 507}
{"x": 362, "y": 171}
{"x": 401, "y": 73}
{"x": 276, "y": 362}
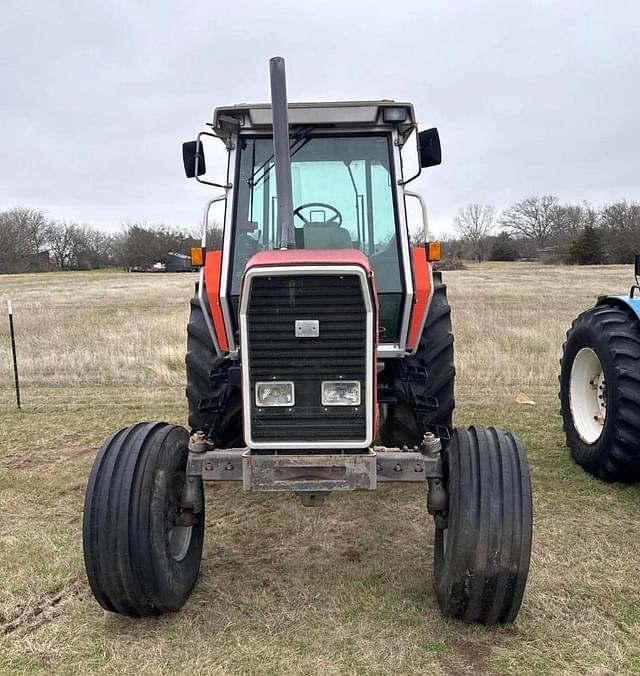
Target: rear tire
{"x": 600, "y": 392}
{"x": 140, "y": 557}
{"x": 201, "y": 360}
{"x": 481, "y": 560}
{"x": 435, "y": 354}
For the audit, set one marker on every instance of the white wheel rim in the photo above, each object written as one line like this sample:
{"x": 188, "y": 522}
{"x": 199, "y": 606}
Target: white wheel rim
{"x": 588, "y": 395}
{"x": 180, "y": 541}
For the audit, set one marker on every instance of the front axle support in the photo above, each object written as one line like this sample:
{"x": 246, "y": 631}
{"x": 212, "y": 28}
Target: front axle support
{"x": 240, "y": 464}
{"x": 312, "y": 474}
{"x": 437, "y": 497}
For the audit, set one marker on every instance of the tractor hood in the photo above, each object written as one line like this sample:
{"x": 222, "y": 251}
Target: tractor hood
{"x": 314, "y": 257}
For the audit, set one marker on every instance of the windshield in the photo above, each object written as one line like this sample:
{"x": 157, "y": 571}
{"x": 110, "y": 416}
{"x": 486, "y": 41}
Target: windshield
{"x": 343, "y": 198}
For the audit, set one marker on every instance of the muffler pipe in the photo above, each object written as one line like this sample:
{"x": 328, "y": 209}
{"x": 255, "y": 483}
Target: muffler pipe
{"x": 280, "y": 112}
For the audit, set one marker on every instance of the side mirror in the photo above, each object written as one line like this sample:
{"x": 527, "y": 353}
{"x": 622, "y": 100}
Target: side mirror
{"x": 192, "y": 150}
{"x": 430, "y": 151}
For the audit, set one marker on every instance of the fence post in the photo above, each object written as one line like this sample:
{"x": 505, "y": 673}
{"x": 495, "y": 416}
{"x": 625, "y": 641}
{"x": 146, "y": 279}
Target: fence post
{"x": 13, "y": 351}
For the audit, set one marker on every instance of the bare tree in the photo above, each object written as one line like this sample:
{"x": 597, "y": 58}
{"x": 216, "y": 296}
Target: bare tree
{"x": 143, "y": 244}
{"x": 62, "y": 238}
{"x": 23, "y": 235}
{"x": 535, "y": 218}
{"x": 572, "y": 219}
{"x": 214, "y": 235}
{"x": 81, "y": 247}
{"x": 475, "y": 222}
{"x": 35, "y": 227}
{"x": 95, "y": 249}
{"x": 9, "y": 243}
{"x": 620, "y": 224}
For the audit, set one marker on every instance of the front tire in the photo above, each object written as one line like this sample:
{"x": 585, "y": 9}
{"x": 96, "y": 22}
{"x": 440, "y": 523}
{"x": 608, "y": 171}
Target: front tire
{"x": 481, "y": 560}
{"x": 600, "y": 392}
{"x": 142, "y": 551}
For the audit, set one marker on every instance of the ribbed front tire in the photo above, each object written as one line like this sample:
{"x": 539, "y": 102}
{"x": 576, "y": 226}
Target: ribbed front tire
{"x": 481, "y": 560}
{"x": 142, "y": 552}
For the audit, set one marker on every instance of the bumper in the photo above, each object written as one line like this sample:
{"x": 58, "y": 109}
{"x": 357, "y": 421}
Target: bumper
{"x": 309, "y": 472}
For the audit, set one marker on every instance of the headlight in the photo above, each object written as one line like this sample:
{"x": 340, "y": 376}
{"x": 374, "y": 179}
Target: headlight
{"x": 341, "y": 393}
{"x": 275, "y": 393}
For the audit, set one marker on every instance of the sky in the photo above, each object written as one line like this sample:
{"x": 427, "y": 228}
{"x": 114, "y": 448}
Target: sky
{"x": 96, "y": 97}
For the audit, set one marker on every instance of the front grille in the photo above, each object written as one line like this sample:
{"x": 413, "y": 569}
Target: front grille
{"x": 338, "y": 353}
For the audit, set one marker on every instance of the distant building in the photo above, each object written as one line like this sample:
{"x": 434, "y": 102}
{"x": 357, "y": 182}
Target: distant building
{"x": 172, "y": 262}
{"x": 177, "y": 262}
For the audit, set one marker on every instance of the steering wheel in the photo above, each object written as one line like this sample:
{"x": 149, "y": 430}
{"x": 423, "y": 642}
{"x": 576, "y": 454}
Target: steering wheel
{"x": 336, "y": 219}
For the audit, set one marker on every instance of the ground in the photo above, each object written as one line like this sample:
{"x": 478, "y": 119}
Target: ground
{"x": 341, "y": 589}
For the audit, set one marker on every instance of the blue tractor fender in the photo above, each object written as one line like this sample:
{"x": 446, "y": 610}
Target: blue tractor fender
{"x": 624, "y": 301}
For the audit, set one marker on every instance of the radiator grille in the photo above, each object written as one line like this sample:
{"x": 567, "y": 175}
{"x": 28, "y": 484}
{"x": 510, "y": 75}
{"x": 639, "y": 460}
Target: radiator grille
{"x": 339, "y": 352}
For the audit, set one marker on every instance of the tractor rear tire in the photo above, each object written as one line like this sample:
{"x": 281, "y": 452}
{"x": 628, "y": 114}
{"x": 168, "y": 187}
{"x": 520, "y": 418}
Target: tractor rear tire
{"x": 142, "y": 551}
{"x": 600, "y": 392}
{"x": 201, "y": 360}
{"x": 481, "y": 560}
{"x": 435, "y": 354}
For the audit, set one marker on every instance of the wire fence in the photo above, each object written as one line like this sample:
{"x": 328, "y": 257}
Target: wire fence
{"x": 120, "y": 343}
{"x": 126, "y": 333}
{"x": 69, "y": 360}
{"x": 95, "y": 343}
{"x": 74, "y": 306}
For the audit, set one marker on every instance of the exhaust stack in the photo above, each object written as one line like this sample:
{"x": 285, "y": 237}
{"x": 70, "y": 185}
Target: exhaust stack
{"x": 280, "y": 112}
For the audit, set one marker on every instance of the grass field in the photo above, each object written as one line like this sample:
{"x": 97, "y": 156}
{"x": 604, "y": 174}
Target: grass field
{"x": 341, "y": 589}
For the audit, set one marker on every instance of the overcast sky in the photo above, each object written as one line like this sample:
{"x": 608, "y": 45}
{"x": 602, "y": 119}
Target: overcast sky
{"x": 530, "y": 97}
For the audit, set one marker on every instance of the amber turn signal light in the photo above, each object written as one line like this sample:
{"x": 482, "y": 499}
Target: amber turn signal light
{"x": 197, "y": 256}
{"x": 433, "y": 251}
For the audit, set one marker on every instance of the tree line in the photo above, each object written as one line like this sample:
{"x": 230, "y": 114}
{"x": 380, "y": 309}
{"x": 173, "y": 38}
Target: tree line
{"x": 29, "y": 241}
{"x": 538, "y": 227}
{"x": 541, "y": 227}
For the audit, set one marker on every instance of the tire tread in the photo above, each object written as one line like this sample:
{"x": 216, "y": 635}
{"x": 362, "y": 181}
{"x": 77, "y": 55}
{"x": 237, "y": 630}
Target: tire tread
{"x": 435, "y": 353}
{"x": 482, "y": 575}
{"x": 619, "y": 458}
{"x": 118, "y": 525}
{"x": 201, "y": 359}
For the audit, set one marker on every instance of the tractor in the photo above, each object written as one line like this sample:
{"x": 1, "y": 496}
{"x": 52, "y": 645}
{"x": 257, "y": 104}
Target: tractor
{"x": 319, "y": 359}
{"x": 600, "y": 387}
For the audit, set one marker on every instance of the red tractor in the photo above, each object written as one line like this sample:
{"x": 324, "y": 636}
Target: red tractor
{"x": 319, "y": 359}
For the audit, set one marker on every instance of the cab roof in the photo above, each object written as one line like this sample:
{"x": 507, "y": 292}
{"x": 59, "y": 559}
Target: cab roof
{"x": 228, "y": 120}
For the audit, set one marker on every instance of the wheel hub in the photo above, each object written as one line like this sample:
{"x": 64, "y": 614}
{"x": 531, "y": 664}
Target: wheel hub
{"x": 588, "y": 395}
{"x": 178, "y": 533}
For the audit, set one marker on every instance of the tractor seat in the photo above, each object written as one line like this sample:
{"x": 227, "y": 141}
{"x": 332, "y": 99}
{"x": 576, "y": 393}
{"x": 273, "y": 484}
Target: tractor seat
{"x": 323, "y": 236}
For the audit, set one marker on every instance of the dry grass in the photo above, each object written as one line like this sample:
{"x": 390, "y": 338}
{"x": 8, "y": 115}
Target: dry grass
{"x": 98, "y": 328}
{"x": 510, "y": 319}
{"x": 114, "y": 328}
{"x": 344, "y": 589}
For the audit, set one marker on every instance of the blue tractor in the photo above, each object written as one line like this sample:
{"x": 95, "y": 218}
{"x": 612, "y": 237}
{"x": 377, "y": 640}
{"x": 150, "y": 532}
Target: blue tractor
{"x": 600, "y": 387}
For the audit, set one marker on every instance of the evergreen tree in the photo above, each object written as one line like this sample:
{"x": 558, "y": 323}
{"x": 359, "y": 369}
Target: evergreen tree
{"x": 504, "y": 248}
{"x": 586, "y": 247}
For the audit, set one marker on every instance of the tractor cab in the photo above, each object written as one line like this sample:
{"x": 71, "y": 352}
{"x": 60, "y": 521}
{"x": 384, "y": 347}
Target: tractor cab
{"x": 348, "y": 192}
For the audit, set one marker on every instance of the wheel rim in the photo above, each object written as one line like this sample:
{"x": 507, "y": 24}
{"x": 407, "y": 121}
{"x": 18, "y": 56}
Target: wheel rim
{"x": 588, "y": 395}
{"x": 178, "y": 536}
{"x": 442, "y": 533}
{"x": 179, "y": 541}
